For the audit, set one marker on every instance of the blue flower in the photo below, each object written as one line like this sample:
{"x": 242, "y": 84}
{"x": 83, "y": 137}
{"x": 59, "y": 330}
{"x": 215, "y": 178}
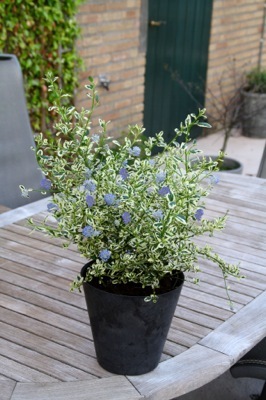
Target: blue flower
{"x": 164, "y": 191}
{"x": 135, "y": 151}
{"x": 214, "y": 179}
{"x": 160, "y": 177}
{"x": 46, "y": 184}
{"x": 90, "y": 200}
{"x": 88, "y": 231}
{"x": 95, "y": 138}
{"x": 126, "y": 217}
{"x": 198, "y": 214}
{"x": 123, "y": 173}
{"x": 105, "y": 255}
{"x": 150, "y": 190}
{"x": 158, "y": 215}
{"x": 52, "y": 207}
{"x": 109, "y": 199}
{"x": 88, "y": 172}
{"x": 90, "y": 185}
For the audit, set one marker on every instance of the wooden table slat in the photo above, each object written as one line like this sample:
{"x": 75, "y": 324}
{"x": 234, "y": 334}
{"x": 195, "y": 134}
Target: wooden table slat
{"x": 46, "y": 301}
{"x": 184, "y": 373}
{"x": 51, "y": 318}
{"x": 21, "y": 372}
{"x": 11, "y": 272}
{"x": 6, "y": 387}
{"x": 119, "y": 388}
{"x": 48, "y": 364}
{"x": 232, "y": 338}
{"x": 36, "y": 241}
{"x": 41, "y": 329}
{"x": 41, "y": 346}
{"x": 24, "y": 271}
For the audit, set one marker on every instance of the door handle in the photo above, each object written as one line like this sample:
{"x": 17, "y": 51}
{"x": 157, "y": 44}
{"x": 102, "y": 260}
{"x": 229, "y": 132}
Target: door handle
{"x": 157, "y": 23}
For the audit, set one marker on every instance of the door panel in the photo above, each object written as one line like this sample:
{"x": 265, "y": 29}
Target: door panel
{"x": 177, "y": 55}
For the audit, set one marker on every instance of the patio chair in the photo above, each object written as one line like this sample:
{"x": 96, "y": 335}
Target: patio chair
{"x": 18, "y": 165}
{"x": 253, "y": 365}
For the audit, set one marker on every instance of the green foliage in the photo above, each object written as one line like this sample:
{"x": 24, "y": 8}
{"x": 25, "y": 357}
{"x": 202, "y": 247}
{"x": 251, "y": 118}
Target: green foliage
{"x": 42, "y": 35}
{"x": 256, "y": 80}
{"x": 135, "y": 215}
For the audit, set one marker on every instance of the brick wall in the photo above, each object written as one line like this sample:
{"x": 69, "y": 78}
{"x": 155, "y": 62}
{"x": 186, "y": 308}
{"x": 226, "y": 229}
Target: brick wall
{"x": 111, "y": 45}
{"x": 236, "y": 32}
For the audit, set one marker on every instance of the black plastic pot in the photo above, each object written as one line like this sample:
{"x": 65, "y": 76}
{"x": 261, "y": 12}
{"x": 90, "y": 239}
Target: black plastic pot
{"x": 231, "y": 165}
{"x": 129, "y": 334}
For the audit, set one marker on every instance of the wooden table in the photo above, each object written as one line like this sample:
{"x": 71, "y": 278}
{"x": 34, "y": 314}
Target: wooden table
{"x": 46, "y": 343}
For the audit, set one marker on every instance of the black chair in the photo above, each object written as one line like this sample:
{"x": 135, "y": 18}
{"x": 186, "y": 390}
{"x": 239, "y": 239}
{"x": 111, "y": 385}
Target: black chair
{"x": 253, "y": 365}
{"x": 18, "y": 165}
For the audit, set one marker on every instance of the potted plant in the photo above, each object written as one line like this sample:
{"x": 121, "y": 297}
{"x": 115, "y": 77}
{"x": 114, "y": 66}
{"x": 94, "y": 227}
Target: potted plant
{"x": 226, "y": 112}
{"x": 224, "y": 108}
{"x": 133, "y": 217}
{"x": 254, "y": 104}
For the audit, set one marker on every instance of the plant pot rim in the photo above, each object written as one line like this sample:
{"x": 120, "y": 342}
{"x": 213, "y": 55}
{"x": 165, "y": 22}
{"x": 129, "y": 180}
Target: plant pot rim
{"x": 131, "y": 295}
{"x": 226, "y": 159}
{"x": 141, "y": 296}
{"x": 238, "y": 165}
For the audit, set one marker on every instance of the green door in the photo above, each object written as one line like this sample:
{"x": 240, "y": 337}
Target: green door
{"x": 177, "y": 55}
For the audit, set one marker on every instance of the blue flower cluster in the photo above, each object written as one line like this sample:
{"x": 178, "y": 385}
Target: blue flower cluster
{"x": 90, "y": 185}
{"x": 158, "y": 215}
{"x": 45, "y": 184}
{"x": 214, "y": 179}
{"x": 160, "y": 177}
{"x": 109, "y": 199}
{"x": 88, "y": 231}
{"x": 95, "y": 138}
{"x": 164, "y": 191}
{"x": 123, "y": 173}
{"x": 126, "y": 217}
{"x": 199, "y": 214}
{"x": 104, "y": 255}
{"x": 88, "y": 173}
{"x": 90, "y": 200}
{"x": 135, "y": 151}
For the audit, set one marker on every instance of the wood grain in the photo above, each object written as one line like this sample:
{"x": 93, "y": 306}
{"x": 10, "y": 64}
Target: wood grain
{"x": 6, "y": 388}
{"x": 118, "y": 388}
{"x": 237, "y": 335}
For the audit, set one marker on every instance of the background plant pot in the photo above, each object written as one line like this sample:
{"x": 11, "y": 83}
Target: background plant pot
{"x": 254, "y": 114}
{"x": 229, "y": 165}
{"x": 129, "y": 333}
